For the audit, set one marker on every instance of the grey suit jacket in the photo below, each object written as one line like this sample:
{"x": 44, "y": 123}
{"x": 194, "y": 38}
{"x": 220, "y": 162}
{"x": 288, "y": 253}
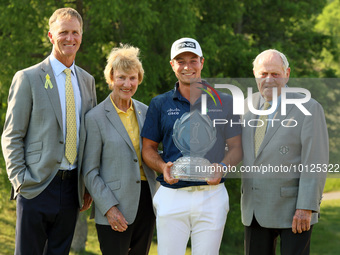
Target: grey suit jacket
{"x": 274, "y": 196}
{"x": 110, "y": 166}
{"x": 32, "y": 139}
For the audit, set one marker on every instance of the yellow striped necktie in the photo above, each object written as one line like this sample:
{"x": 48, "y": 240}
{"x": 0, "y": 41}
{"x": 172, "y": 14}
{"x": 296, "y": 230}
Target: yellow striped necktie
{"x": 260, "y": 130}
{"x": 71, "y": 123}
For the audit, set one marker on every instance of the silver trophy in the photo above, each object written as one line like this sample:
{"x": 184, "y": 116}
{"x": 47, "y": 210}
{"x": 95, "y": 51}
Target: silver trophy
{"x": 194, "y": 135}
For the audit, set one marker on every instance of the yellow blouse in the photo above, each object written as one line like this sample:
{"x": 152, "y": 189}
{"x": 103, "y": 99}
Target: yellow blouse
{"x": 130, "y": 123}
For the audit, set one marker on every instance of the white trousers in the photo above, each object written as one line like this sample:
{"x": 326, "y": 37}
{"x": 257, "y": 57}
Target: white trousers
{"x": 199, "y": 214}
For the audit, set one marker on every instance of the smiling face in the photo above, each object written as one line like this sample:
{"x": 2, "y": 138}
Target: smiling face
{"x": 65, "y": 35}
{"x": 187, "y": 67}
{"x": 269, "y": 73}
{"x": 124, "y": 86}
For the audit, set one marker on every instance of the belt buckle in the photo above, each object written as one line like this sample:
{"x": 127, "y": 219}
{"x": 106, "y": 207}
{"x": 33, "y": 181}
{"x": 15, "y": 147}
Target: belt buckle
{"x": 63, "y": 176}
{"x": 196, "y": 188}
{"x": 192, "y": 188}
{"x": 200, "y": 188}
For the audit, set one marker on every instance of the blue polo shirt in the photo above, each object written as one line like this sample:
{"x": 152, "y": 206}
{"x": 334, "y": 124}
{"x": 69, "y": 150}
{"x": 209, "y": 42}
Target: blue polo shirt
{"x": 166, "y": 108}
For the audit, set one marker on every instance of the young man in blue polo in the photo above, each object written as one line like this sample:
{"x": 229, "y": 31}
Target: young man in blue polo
{"x": 185, "y": 209}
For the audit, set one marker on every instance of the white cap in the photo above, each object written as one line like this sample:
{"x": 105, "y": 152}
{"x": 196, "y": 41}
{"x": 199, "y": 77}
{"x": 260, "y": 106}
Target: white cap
{"x": 185, "y": 45}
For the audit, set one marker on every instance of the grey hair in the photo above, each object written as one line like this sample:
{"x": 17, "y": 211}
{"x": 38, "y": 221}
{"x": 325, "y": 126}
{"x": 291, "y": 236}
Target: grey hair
{"x": 285, "y": 63}
{"x": 67, "y": 13}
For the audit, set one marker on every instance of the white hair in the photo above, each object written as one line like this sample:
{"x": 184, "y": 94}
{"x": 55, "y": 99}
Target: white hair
{"x": 285, "y": 63}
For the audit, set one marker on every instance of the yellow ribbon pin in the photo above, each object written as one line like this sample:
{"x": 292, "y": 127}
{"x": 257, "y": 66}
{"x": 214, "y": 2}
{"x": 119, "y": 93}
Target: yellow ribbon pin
{"x": 48, "y": 82}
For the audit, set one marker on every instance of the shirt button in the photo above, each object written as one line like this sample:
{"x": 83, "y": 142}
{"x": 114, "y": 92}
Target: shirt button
{"x": 135, "y": 160}
{"x": 137, "y": 181}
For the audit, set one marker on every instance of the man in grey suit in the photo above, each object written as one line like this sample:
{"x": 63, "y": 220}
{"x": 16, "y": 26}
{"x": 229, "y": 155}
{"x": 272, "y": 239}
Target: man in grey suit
{"x": 43, "y": 141}
{"x": 285, "y": 201}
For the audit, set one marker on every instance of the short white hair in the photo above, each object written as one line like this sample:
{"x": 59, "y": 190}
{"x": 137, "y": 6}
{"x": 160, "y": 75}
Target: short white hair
{"x": 285, "y": 63}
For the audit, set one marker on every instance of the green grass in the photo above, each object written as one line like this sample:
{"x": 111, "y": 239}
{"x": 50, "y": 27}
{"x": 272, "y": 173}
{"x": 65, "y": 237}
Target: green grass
{"x": 332, "y": 182}
{"x": 7, "y": 226}
{"x": 7, "y": 232}
{"x": 325, "y": 238}
{"x": 7, "y": 215}
{"x": 326, "y": 234}
{"x": 92, "y": 245}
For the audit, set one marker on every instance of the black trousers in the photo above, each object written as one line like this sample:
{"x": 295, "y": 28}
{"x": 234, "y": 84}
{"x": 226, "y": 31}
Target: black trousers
{"x": 137, "y": 238}
{"x": 262, "y": 241}
{"x": 46, "y": 223}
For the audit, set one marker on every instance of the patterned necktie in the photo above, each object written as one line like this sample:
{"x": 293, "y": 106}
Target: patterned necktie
{"x": 260, "y": 130}
{"x": 71, "y": 124}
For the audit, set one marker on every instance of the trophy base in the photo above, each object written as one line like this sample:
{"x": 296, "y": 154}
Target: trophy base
{"x": 192, "y": 169}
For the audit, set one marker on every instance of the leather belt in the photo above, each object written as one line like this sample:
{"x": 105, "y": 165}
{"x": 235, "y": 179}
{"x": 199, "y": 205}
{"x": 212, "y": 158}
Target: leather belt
{"x": 67, "y": 174}
{"x": 201, "y": 187}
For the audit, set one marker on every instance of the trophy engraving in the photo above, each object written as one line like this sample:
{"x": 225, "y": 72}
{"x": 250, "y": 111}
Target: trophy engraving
{"x": 194, "y": 135}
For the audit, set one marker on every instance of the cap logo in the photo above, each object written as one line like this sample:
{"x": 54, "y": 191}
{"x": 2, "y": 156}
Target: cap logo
{"x": 186, "y": 44}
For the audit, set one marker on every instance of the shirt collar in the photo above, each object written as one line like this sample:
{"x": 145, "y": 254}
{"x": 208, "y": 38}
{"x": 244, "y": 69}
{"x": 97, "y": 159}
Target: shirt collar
{"x": 59, "y": 67}
{"x": 119, "y": 110}
{"x": 262, "y": 100}
{"x": 177, "y": 94}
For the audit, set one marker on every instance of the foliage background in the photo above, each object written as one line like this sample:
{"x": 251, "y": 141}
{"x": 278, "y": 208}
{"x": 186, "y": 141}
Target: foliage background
{"x": 231, "y": 34}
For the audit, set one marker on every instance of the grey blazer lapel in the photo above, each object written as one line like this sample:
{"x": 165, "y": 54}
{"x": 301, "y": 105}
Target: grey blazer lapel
{"x": 113, "y": 117}
{"x": 140, "y": 120}
{"x": 138, "y": 114}
{"x": 82, "y": 87}
{"x": 52, "y": 93}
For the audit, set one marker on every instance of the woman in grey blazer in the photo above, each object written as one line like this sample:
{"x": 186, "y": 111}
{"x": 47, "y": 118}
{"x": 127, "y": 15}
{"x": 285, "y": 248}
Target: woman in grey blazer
{"x": 120, "y": 184}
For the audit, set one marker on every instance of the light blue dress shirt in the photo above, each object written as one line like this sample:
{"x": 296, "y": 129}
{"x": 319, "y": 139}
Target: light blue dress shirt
{"x": 58, "y": 71}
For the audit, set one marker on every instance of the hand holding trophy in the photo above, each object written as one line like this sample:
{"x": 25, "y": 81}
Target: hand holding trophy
{"x": 194, "y": 135}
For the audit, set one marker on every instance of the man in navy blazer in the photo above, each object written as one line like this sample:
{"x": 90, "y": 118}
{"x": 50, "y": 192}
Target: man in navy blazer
{"x": 282, "y": 202}
{"x": 48, "y": 188}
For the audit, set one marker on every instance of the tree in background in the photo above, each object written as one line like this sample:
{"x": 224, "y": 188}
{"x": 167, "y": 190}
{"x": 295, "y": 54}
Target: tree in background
{"x": 231, "y": 33}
